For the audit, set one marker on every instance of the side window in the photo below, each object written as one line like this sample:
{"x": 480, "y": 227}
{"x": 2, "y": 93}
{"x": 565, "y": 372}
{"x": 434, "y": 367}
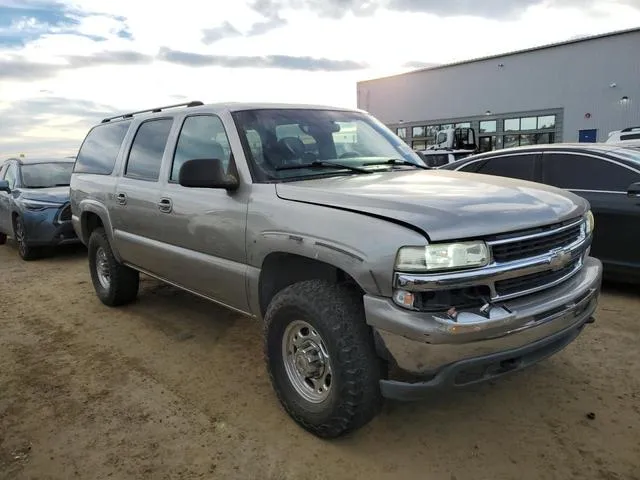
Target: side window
{"x": 11, "y": 175}
{"x": 145, "y": 156}
{"x": 100, "y": 148}
{"x": 513, "y": 166}
{"x": 201, "y": 136}
{"x": 581, "y": 172}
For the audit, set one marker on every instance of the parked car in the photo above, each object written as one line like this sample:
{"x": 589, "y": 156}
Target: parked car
{"x": 358, "y": 265}
{"x": 607, "y": 175}
{"x": 34, "y": 204}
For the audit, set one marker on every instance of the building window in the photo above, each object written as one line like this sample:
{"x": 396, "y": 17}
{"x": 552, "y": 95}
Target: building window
{"x": 548, "y": 121}
{"x": 526, "y": 139}
{"x": 446, "y": 126}
{"x": 463, "y": 125}
{"x": 488, "y": 126}
{"x": 509, "y": 141}
{"x": 419, "y": 145}
{"x": 511, "y": 124}
{"x": 418, "y": 132}
{"x": 402, "y": 132}
{"x": 528, "y": 123}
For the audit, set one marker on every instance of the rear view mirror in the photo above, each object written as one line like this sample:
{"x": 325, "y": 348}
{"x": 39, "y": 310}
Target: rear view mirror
{"x": 206, "y": 173}
{"x": 634, "y": 190}
{"x": 4, "y": 186}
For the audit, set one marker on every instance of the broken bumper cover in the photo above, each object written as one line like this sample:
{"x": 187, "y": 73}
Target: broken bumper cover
{"x": 444, "y": 353}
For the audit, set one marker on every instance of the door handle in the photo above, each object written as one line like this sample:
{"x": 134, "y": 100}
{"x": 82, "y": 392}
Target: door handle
{"x": 165, "y": 205}
{"x": 121, "y": 198}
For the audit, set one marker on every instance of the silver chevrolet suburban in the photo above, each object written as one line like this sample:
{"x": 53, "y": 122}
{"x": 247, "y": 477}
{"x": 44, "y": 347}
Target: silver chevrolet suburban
{"x": 372, "y": 275}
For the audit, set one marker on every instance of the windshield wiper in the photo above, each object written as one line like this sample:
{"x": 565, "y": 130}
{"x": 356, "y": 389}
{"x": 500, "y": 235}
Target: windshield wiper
{"x": 397, "y": 161}
{"x": 323, "y": 164}
{"x": 62, "y": 185}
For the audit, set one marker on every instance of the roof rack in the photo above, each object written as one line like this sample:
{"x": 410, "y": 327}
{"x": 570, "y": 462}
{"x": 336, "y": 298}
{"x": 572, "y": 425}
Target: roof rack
{"x": 195, "y": 103}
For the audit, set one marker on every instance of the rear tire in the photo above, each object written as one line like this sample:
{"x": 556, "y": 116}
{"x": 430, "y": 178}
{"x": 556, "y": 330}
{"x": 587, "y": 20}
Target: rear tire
{"x": 114, "y": 283}
{"x": 25, "y": 251}
{"x": 321, "y": 358}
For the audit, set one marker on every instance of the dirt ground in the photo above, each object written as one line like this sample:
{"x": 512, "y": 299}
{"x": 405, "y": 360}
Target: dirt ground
{"x": 175, "y": 387}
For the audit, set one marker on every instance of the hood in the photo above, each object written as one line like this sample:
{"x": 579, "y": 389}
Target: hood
{"x": 53, "y": 194}
{"x": 444, "y": 205}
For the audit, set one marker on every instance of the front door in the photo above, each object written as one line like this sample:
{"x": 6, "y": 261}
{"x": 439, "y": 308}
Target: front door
{"x": 137, "y": 196}
{"x": 204, "y": 229}
{"x": 604, "y": 183}
{"x": 10, "y": 174}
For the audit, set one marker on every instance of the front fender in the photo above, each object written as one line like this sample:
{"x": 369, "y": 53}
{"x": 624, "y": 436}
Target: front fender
{"x": 363, "y": 246}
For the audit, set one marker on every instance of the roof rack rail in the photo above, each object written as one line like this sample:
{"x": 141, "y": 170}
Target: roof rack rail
{"x": 195, "y": 103}
{"x": 629, "y": 129}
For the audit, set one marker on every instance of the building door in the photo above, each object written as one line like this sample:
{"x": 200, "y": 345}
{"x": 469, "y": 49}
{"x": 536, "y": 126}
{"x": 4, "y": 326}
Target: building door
{"x": 588, "y": 136}
{"x": 486, "y": 144}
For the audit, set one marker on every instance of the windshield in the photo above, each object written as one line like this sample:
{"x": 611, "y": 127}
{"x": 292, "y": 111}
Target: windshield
{"x": 45, "y": 175}
{"x": 275, "y": 140}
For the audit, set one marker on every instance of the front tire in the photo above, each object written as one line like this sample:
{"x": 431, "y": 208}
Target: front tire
{"x": 3, "y": 238}
{"x": 114, "y": 283}
{"x": 321, "y": 358}
{"x": 25, "y": 251}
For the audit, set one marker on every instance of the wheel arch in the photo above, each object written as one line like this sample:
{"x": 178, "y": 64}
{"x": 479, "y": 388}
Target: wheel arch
{"x": 281, "y": 269}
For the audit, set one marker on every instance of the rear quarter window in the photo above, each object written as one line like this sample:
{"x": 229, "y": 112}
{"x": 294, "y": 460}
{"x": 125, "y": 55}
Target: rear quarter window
{"x": 100, "y": 148}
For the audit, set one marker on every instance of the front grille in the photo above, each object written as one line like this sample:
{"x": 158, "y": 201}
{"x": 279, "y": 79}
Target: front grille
{"x": 527, "y": 248}
{"x": 534, "y": 280}
{"x": 65, "y": 214}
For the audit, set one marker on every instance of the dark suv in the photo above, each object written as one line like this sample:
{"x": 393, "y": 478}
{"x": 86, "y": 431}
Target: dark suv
{"x": 34, "y": 204}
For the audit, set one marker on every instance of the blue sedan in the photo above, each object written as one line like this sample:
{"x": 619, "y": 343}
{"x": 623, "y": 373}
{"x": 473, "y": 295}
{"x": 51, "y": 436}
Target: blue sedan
{"x": 34, "y": 204}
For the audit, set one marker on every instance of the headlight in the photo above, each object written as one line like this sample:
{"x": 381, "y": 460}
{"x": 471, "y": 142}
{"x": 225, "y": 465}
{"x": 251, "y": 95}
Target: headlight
{"x": 590, "y": 222}
{"x": 39, "y": 204}
{"x": 442, "y": 256}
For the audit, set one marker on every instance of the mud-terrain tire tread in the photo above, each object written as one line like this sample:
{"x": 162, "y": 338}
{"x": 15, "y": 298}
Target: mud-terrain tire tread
{"x": 337, "y": 311}
{"x": 125, "y": 281}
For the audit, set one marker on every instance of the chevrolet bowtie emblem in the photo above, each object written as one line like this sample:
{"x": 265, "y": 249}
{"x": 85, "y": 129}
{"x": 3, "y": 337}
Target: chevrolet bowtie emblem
{"x": 559, "y": 259}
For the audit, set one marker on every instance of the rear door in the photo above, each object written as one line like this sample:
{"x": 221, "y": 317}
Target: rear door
{"x": 604, "y": 183}
{"x": 136, "y": 222}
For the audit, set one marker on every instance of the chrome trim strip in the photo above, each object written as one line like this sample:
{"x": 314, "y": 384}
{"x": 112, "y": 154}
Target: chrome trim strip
{"x": 548, "y": 233}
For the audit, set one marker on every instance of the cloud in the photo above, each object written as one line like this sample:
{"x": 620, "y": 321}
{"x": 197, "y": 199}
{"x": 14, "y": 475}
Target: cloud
{"x": 285, "y": 62}
{"x": 27, "y": 20}
{"x": 17, "y": 68}
{"x": 326, "y": 8}
{"x": 225, "y": 30}
{"x": 419, "y": 64}
{"x": 486, "y": 8}
{"x": 25, "y": 124}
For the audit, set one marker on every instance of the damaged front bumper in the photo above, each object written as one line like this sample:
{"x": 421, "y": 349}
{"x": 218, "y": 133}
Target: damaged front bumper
{"x": 442, "y": 352}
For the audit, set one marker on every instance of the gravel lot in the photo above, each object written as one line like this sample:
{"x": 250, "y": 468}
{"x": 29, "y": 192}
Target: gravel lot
{"x": 175, "y": 387}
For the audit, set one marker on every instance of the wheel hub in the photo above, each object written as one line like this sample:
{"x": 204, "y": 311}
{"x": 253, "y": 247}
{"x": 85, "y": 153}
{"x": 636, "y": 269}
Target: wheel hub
{"x": 306, "y": 361}
{"x": 309, "y": 360}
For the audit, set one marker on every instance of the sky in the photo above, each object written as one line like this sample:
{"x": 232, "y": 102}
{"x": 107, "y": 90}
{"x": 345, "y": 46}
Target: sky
{"x": 64, "y": 65}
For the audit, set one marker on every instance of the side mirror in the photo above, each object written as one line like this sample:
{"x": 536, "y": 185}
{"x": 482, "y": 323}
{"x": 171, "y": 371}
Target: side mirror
{"x": 206, "y": 173}
{"x": 634, "y": 190}
{"x": 4, "y": 186}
